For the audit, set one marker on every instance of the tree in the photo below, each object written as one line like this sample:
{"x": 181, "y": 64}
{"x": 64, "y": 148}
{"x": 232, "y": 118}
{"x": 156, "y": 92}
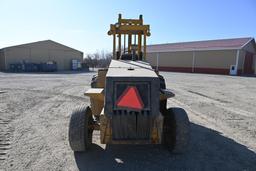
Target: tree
{"x": 98, "y": 59}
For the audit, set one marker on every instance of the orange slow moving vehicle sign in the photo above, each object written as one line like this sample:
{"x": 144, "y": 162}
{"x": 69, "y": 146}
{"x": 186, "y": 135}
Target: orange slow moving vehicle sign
{"x": 130, "y": 99}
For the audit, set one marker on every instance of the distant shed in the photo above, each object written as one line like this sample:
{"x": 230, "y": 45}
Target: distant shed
{"x": 225, "y": 56}
{"x": 37, "y": 52}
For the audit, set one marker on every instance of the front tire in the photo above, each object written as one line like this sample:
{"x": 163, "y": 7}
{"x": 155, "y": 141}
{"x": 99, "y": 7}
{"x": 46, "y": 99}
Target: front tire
{"x": 80, "y": 129}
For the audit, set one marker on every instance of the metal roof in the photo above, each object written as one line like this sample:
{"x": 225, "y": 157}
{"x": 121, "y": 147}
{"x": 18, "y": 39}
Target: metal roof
{"x": 43, "y": 41}
{"x": 221, "y": 44}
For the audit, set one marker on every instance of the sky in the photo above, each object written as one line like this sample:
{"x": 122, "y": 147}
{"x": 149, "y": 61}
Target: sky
{"x": 83, "y": 24}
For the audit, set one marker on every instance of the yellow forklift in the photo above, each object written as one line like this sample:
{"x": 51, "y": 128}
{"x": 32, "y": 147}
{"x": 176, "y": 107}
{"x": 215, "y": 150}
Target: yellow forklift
{"x": 128, "y": 99}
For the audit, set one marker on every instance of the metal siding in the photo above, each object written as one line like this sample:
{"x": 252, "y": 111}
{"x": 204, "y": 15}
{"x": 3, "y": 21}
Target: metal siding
{"x": 241, "y": 59}
{"x": 151, "y": 58}
{"x": 2, "y": 60}
{"x": 47, "y": 44}
{"x": 14, "y": 55}
{"x": 175, "y": 59}
{"x": 43, "y": 52}
{"x": 203, "y": 59}
{"x": 215, "y": 59}
{"x": 248, "y": 63}
{"x": 38, "y": 55}
{"x": 254, "y": 64}
{"x": 250, "y": 47}
{"x": 63, "y": 58}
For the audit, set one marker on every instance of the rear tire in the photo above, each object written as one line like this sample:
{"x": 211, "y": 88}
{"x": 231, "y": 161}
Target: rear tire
{"x": 176, "y": 130}
{"x": 80, "y": 129}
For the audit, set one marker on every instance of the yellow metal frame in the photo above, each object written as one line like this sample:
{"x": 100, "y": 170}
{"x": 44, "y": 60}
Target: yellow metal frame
{"x": 134, "y": 29}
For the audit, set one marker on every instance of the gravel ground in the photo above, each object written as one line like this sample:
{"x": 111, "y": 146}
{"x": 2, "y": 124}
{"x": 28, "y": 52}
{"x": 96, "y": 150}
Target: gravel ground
{"x": 35, "y": 111}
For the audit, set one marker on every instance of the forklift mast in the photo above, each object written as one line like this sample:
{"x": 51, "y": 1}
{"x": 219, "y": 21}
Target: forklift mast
{"x": 135, "y": 30}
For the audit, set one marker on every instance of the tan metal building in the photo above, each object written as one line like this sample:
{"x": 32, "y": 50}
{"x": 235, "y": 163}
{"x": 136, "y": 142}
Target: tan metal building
{"x": 226, "y": 56}
{"x": 37, "y": 52}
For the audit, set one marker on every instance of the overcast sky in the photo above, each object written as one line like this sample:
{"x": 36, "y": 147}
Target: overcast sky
{"x": 83, "y": 24}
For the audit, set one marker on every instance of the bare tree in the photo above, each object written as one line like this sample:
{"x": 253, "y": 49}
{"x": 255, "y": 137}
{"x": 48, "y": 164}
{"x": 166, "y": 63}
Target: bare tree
{"x": 98, "y": 59}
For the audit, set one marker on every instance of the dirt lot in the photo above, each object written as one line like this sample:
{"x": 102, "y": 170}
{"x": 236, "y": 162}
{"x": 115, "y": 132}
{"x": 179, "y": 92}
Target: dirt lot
{"x": 35, "y": 111}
